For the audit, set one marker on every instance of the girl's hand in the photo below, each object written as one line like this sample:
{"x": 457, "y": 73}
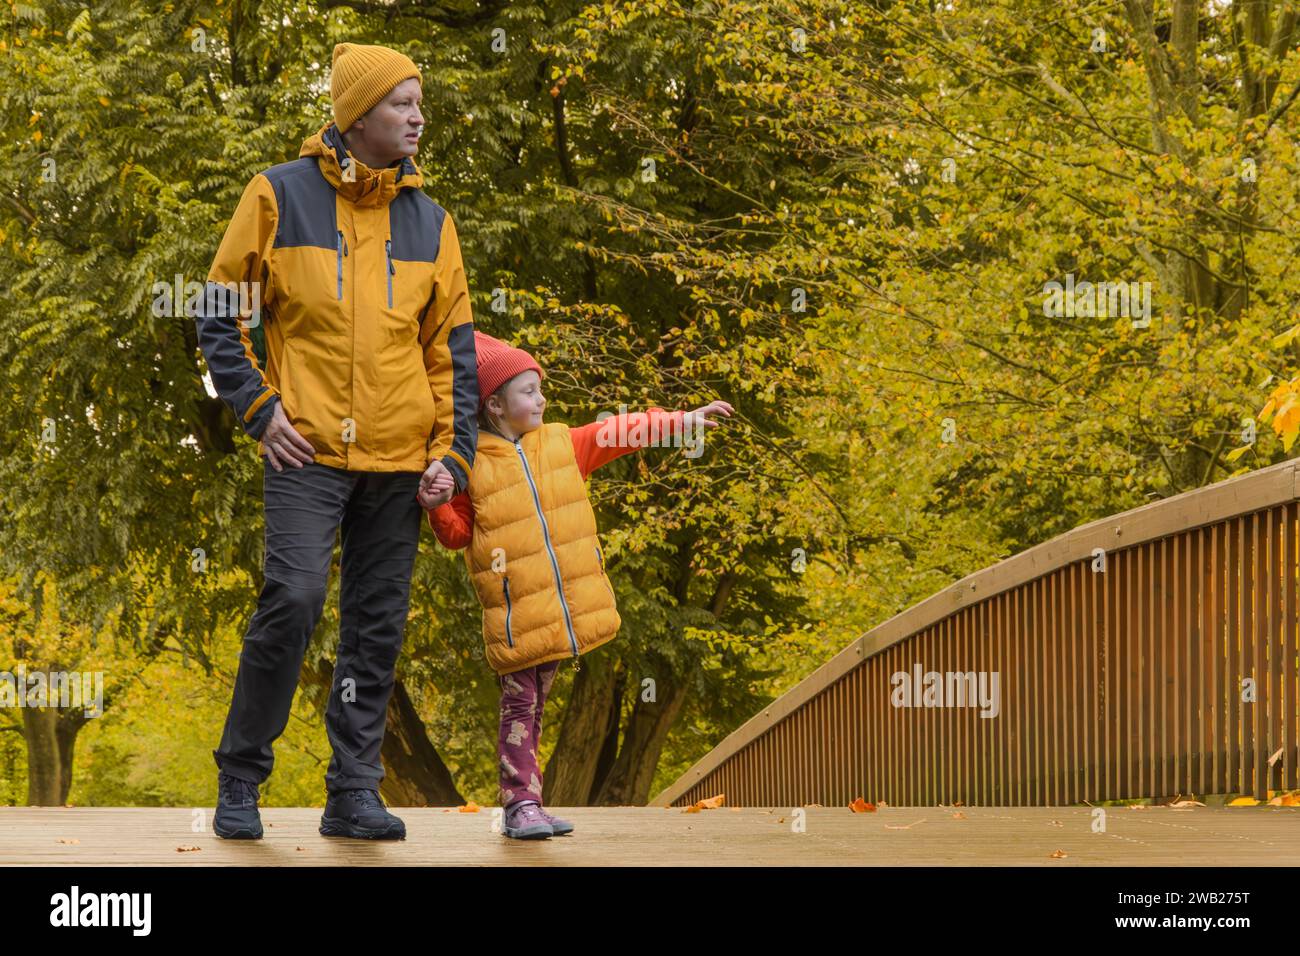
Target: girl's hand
{"x": 436, "y": 487}
{"x": 700, "y": 417}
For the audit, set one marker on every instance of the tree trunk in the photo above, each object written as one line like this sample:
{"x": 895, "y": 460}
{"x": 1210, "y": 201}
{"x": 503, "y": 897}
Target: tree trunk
{"x": 609, "y": 750}
{"x": 44, "y": 769}
{"x": 629, "y": 781}
{"x": 65, "y": 730}
{"x": 570, "y": 772}
{"x": 415, "y": 775}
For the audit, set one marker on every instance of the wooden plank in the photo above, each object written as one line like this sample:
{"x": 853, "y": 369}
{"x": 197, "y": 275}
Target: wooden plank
{"x": 656, "y": 836}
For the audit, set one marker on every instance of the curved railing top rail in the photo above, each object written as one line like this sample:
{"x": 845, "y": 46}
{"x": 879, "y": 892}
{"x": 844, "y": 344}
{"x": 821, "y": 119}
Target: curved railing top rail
{"x": 1276, "y": 484}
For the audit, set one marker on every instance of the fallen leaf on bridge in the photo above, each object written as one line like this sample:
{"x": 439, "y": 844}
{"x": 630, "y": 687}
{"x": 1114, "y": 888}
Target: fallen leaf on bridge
{"x": 959, "y": 815}
{"x": 712, "y": 803}
{"x": 1057, "y": 855}
{"x": 1244, "y": 802}
{"x": 1187, "y": 803}
{"x": 861, "y": 806}
{"x": 470, "y": 807}
{"x": 186, "y": 849}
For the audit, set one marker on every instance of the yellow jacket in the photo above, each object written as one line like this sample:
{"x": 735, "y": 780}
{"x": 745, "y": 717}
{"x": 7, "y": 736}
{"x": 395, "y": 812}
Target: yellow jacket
{"x": 365, "y": 333}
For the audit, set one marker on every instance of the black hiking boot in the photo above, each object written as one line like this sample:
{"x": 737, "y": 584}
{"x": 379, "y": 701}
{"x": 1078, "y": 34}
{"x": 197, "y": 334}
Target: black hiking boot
{"x": 360, "y": 813}
{"x": 236, "y": 817}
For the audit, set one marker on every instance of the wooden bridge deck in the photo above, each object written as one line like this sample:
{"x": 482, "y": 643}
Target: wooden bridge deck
{"x": 643, "y": 836}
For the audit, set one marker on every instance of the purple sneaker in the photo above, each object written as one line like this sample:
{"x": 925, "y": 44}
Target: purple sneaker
{"x": 524, "y": 821}
{"x": 558, "y": 826}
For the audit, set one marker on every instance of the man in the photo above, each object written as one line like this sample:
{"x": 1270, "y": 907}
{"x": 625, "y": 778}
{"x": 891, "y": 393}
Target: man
{"x": 357, "y": 375}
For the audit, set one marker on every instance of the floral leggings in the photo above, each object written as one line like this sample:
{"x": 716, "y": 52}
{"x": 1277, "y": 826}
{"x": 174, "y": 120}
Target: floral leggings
{"x": 523, "y": 694}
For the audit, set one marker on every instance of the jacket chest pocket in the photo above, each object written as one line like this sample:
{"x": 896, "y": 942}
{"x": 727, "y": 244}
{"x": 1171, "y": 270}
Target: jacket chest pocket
{"x": 505, "y": 587}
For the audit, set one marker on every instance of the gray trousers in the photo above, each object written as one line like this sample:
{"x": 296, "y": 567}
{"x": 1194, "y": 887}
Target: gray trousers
{"x": 380, "y": 521}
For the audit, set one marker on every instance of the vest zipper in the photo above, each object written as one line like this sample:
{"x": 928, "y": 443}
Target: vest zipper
{"x": 505, "y": 585}
{"x": 546, "y": 538}
{"x": 388, "y": 253}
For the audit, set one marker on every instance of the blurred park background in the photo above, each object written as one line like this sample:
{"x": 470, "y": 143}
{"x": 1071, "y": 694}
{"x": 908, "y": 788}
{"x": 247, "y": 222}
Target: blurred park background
{"x": 846, "y": 219}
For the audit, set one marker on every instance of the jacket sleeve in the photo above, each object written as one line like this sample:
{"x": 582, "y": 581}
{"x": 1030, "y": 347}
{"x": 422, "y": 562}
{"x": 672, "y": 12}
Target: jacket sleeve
{"x": 447, "y": 337}
{"x": 453, "y": 522}
{"x": 225, "y": 337}
{"x": 602, "y": 441}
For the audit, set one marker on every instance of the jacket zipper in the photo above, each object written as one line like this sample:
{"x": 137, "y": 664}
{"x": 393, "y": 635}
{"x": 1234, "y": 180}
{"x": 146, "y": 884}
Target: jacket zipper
{"x": 603, "y": 573}
{"x": 388, "y": 252}
{"x": 341, "y": 250}
{"x": 546, "y": 538}
{"x": 505, "y": 584}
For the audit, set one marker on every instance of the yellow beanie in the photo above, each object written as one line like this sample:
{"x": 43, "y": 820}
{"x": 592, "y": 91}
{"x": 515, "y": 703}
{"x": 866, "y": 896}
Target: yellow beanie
{"x": 362, "y": 76}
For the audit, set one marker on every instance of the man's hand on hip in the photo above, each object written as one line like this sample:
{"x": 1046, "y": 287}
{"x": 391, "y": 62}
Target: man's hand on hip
{"x": 283, "y": 443}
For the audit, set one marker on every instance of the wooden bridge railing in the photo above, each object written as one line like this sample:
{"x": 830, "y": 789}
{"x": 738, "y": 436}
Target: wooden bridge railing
{"x": 1152, "y": 653}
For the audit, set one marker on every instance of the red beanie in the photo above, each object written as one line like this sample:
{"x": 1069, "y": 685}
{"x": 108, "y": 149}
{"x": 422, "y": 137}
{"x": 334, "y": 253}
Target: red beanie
{"x": 498, "y": 363}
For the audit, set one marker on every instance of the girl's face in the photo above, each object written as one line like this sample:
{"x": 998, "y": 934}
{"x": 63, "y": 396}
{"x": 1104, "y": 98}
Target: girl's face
{"x": 524, "y": 403}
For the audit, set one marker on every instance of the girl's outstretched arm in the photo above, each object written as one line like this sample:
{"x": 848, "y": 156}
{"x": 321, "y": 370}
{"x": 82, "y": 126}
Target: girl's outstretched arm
{"x": 602, "y": 441}
{"x": 453, "y": 522}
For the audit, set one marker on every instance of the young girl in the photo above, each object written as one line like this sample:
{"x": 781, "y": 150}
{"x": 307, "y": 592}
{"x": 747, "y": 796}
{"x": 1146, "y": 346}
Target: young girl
{"x": 533, "y": 552}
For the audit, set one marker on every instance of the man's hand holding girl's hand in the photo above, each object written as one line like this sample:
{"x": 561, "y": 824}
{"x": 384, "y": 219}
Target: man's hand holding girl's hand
{"x": 699, "y": 418}
{"x": 437, "y": 486}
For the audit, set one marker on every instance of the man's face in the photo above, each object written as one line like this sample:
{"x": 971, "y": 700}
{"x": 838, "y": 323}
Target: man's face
{"x": 392, "y": 128}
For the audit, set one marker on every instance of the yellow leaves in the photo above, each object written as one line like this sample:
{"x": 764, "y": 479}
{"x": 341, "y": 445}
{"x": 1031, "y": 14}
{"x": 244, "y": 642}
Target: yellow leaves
{"x": 104, "y": 101}
{"x": 470, "y": 807}
{"x": 36, "y": 136}
{"x": 1286, "y": 337}
{"x": 36, "y": 118}
{"x": 861, "y": 806}
{"x": 1244, "y": 802}
{"x": 1284, "y": 407}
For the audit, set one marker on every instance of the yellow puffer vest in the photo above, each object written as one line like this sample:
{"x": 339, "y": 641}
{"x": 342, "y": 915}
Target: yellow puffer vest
{"x": 535, "y": 559}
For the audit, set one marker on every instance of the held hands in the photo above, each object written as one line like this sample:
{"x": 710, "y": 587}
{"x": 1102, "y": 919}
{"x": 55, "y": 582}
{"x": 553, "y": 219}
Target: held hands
{"x": 283, "y": 443}
{"x": 436, "y": 486}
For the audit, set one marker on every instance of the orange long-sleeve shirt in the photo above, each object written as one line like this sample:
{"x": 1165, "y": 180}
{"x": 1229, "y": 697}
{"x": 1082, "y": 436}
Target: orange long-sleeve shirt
{"x": 453, "y": 522}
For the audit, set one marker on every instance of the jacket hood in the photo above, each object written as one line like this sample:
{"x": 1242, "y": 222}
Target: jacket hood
{"x": 370, "y": 187}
